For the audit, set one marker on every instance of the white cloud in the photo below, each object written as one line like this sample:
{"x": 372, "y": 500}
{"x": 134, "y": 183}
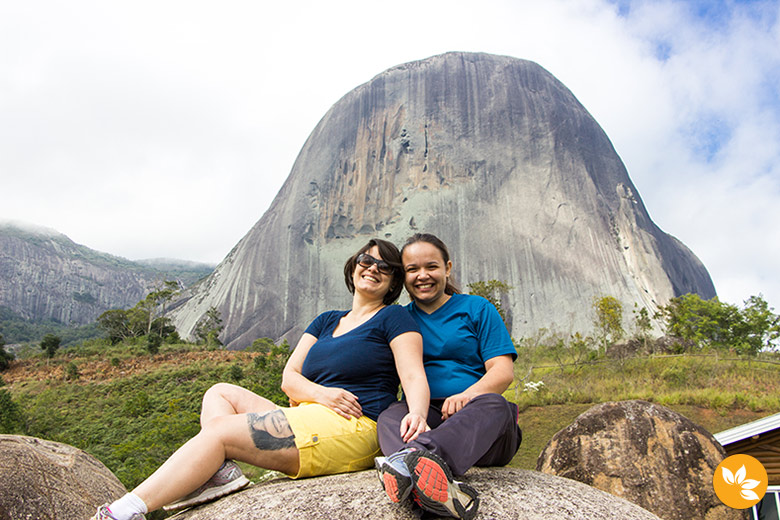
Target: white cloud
{"x": 177, "y": 122}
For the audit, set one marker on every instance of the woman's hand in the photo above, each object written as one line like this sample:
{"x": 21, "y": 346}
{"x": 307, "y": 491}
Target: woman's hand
{"x": 341, "y": 401}
{"x": 412, "y": 425}
{"x": 498, "y": 376}
{"x": 455, "y": 403}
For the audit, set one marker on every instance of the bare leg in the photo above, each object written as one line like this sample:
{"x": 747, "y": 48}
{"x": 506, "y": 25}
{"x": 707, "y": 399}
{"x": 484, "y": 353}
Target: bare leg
{"x": 263, "y": 439}
{"x": 224, "y": 399}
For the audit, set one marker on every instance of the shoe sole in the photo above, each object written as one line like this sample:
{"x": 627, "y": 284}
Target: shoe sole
{"x": 436, "y": 491}
{"x": 210, "y": 494}
{"x": 396, "y": 486}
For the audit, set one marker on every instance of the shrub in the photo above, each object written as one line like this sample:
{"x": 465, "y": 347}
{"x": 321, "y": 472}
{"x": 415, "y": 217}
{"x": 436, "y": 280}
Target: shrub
{"x": 11, "y": 419}
{"x": 71, "y": 371}
{"x": 236, "y": 373}
{"x": 153, "y": 342}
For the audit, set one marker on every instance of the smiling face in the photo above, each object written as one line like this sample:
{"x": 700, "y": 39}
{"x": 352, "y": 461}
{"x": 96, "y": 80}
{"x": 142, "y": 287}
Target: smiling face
{"x": 426, "y": 275}
{"x": 370, "y": 280}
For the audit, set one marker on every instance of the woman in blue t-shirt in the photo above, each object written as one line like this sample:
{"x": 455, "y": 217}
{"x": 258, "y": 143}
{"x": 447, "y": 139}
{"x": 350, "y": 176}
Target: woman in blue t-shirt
{"x": 468, "y": 356}
{"x": 343, "y": 373}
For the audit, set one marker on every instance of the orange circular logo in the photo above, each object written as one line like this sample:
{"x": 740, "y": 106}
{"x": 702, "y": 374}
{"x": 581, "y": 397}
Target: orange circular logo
{"x": 740, "y": 481}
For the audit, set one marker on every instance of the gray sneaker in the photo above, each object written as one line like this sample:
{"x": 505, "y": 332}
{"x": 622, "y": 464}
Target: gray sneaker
{"x": 227, "y": 479}
{"x": 104, "y": 513}
{"x": 394, "y": 475}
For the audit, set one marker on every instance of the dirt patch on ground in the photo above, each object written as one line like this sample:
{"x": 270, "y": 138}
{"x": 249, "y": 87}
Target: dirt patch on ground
{"x": 92, "y": 370}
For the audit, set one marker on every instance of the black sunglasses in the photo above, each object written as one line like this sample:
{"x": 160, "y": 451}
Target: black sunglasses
{"x": 366, "y": 260}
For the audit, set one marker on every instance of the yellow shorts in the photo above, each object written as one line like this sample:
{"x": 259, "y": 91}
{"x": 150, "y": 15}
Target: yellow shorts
{"x": 328, "y": 443}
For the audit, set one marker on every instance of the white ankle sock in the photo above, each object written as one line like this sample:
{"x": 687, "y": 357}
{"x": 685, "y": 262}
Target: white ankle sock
{"x": 127, "y": 506}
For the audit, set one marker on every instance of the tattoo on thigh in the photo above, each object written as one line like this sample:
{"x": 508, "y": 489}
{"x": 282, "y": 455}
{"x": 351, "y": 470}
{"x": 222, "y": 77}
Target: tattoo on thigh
{"x": 270, "y": 431}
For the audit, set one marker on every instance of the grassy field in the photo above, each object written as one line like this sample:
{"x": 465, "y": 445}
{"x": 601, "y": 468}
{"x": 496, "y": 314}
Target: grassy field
{"x": 131, "y": 409}
{"x": 715, "y": 392}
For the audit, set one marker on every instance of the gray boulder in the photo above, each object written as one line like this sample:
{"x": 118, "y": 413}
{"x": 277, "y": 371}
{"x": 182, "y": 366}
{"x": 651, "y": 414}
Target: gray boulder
{"x": 505, "y": 493}
{"x": 645, "y": 453}
{"x": 491, "y": 153}
{"x": 45, "y": 480}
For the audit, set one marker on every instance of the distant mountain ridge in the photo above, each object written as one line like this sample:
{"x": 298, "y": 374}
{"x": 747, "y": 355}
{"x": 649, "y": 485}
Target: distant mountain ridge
{"x": 45, "y": 275}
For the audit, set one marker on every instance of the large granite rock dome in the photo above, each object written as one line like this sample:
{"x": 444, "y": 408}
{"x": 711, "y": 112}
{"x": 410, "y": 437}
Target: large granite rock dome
{"x": 491, "y": 153}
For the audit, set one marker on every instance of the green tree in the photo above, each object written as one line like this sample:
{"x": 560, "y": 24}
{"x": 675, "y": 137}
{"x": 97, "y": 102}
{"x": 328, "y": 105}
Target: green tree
{"x": 643, "y": 326}
{"x": 722, "y": 325}
{"x": 264, "y": 345}
{"x": 267, "y": 373}
{"x": 5, "y": 356}
{"x": 50, "y": 343}
{"x": 493, "y": 291}
{"x": 154, "y": 304}
{"x": 609, "y": 320}
{"x": 115, "y": 323}
{"x": 153, "y": 342}
{"x": 209, "y": 327}
{"x": 755, "y": 328}
{"x": 72, "y": 371}
{"x": 11, "y": 418}
{"x": 699, "y": 322}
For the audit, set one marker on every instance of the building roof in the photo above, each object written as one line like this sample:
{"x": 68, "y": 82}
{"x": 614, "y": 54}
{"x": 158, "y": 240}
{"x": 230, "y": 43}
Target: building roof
{"x": 748, "y": 430}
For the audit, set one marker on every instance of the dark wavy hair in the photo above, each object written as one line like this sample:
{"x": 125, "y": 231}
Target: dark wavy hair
{"x": 389, "y": 254}
{"x": 451, "y": 287}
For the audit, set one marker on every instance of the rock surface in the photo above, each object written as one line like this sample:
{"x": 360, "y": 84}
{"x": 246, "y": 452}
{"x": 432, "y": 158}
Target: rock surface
{"x": 44, "y": 480}
{"x": 491, "y": 153}
{"x": 505, "y": 493}
{"x": 645, "y": 453}
{"x": 45, "y": 275}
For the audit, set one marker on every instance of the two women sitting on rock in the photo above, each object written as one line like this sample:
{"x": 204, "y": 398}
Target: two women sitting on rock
{"x": 343, "y": 375}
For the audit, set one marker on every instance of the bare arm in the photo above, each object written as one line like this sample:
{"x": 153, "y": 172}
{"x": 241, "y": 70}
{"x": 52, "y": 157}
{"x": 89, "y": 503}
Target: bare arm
{"x": 498, "y": 376}
{"x": 299, "y": 389}
{"x": 407, "y": 351}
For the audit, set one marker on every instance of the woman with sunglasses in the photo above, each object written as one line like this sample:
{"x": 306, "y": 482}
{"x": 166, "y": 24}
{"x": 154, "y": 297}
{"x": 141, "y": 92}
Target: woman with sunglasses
{"x": 344, "y": 371}
{"x": 468, "y": 356}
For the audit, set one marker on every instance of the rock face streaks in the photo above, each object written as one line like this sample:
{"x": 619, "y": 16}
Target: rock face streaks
{"x": 491, "y": 153}
{"x": 45, "y": 275}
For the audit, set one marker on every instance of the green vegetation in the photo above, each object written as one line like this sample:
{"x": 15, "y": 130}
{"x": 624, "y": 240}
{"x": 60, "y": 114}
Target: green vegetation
{"x": 493, "y": 291}
{"x": 5, "y": 357}
{"x": 132, "y": 398}
{"x": 128, "y": 408}
{"x": 16, "y": 329}
{"x": 146, "y": 318}
{"x": 49, "y": 344}
{"x": 132, "y": 409}
{"x": 209, "y": 327}
{"x": 608, "y": 321}
{"x": 712, "y": 323}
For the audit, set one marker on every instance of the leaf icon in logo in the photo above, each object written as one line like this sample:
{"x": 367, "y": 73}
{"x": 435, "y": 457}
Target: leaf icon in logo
{"x": 728, "y": 476}
{"x": 748, "y": 494}
{"x": 739, "y": 476}
{"x": 750, "y": 483}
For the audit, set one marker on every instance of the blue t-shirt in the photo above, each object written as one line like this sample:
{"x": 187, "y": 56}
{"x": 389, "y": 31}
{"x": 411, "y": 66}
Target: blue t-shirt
{"x": 458, "y": 338}
{"x": 360, "y": 360}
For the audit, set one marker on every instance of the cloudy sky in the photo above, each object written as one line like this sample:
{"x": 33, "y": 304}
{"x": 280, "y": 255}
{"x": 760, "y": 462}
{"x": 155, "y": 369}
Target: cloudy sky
{"x": 165, "y": 128}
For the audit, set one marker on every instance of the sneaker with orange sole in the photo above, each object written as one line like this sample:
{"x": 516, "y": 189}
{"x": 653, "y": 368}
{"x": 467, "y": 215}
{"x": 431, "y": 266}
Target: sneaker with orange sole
{"x": 436, "y": 491}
